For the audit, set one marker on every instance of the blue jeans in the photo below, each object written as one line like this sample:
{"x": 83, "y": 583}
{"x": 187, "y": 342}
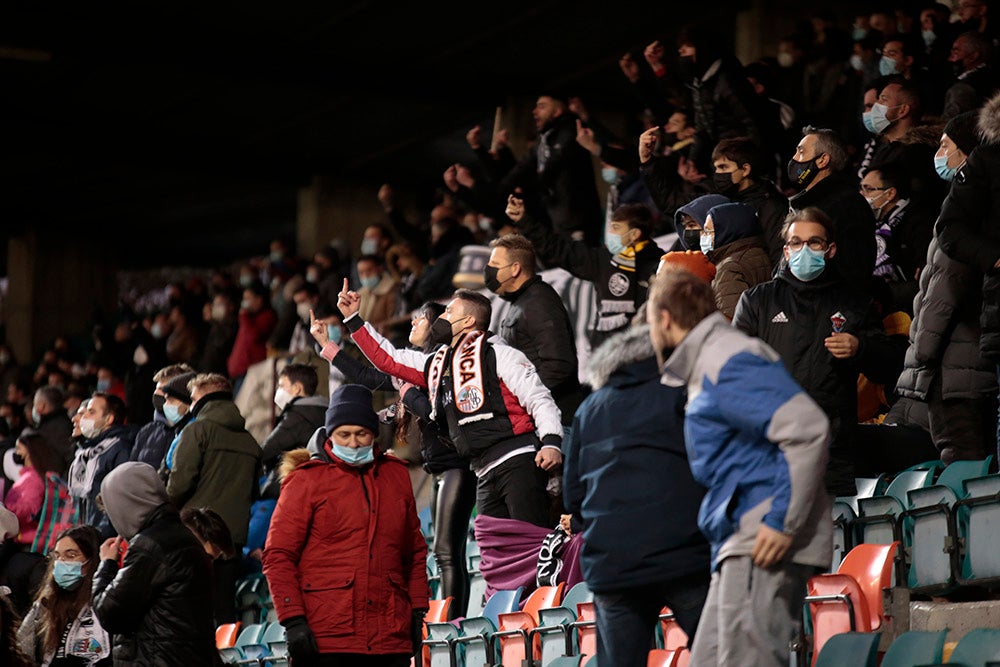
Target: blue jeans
{"x": 626, "y": 619}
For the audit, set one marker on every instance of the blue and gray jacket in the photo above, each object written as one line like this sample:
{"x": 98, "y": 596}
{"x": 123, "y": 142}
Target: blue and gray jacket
{"x": 755, "y": 440}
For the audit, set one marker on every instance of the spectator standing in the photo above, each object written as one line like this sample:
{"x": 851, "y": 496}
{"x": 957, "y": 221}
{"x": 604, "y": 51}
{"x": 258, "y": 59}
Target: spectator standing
{"x": 732, "y": 241}
{"x": 346, "y": 503}
{"x": 765, "y": 512}
{"x": 154, "y": 438}
{"x": 216, "y": 464}
{"x": 52, "y": 422}
{"x": 221, "y": 335}
{"x": 157, "y": 601}
{"x": 257, "y": 320}
{"x": 611, "y": 463}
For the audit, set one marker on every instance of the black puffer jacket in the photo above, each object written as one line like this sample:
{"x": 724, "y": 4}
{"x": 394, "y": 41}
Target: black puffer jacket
{"x": 537, "y": 324}
{"x": 969, "y": 225}
{"x": 158, "y": 604}
{"x": 794, "y": 318}
{"x": 944, "y": 334}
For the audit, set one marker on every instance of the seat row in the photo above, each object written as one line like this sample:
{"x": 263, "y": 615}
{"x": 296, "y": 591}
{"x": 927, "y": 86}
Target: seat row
{"x": 262, "y": 644}
{"x": 942, "y": 517}
{"x": 979, "y": 647}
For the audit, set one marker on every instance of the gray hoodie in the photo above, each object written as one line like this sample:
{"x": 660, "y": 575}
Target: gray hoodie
{"x": 130, "y": 493}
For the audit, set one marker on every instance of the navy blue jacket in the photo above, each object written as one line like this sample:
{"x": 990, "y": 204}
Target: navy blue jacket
{"x": 626, "y": 473}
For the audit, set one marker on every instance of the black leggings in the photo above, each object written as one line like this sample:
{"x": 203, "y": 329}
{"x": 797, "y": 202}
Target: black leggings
{"x": 454, "y": 496}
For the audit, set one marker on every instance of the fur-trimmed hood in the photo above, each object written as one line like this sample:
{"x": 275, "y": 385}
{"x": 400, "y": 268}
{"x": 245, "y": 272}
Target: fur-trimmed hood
{"x": 622, "y": 349}
{"x": 926, "y": 134}
{"x": 989, "y": 120}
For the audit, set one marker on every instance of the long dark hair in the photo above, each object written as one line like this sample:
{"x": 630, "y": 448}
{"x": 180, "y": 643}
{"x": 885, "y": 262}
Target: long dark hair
{"x": 43, "y": 457}
{"x": 431, "y": 310}
{"x": 58, "y": 607}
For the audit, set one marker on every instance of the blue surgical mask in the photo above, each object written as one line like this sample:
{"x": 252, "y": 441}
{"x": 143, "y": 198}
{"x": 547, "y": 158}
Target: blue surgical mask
{"x": 929, "y": 36}
{"x": 371, "y": 282}
{"x": 354, "y": 456}
{"x": 369, "y": 247}
{"x": 67, "y": 574}
{"x": 172, "y": 413}
{"x": 613, "y": 242}
{"x": 103, "y": 385}
{"x": 866, "y": 120}
{"x": 707, "y": 242}
{"x": 887, "y": 66}
{"x": 807, "y": 264}
{"x": 36, "y": 417}
{"x": 610, "y": 175}
{"x": 857, "y": 62}
{"x": 334, "y": 333}
{"x": 859, "y": 33}
{"x": 942, "y": 168}
{"x": 880, "y": 118}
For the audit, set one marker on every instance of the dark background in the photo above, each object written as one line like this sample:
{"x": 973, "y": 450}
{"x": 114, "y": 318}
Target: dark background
{"x": 195, "y": 123}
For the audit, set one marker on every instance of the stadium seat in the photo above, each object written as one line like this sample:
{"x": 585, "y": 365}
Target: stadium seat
{"x": 554, "y": 631}
{"x": 878, "y": 516}
{"x": 671, "y": 635}
{"x": 512, "y": 640}
{"x": 586, "y": 633}
{"x": 977, "y": 648}
{"x": 252, "y": 599}
{"x": 915, "y": 647}
{"x": 564, "y": 661}
{"x": 472, "y": 646}
{"x": 477, "y": 594}
{"x": 850, "y": 649}
{"x": 976, "y": 517}
{"x": 274, "y": 639}
{"x": 226, "y": 634}
{"x": 850, "y": 600}
{"x": 930, "y": 537}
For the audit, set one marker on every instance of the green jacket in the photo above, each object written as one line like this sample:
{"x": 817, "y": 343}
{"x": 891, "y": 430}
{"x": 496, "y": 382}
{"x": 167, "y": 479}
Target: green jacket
{"x": 217, "y": 465}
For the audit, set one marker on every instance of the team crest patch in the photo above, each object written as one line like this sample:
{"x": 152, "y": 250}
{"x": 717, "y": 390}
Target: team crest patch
{"x": 618, "y": 284}
{"x": 469, "y": 399}
{"x": 838, "y": 321}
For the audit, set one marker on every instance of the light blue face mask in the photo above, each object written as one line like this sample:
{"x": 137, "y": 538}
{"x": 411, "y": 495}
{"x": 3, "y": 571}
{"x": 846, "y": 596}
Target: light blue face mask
{"x": 36, "y": 416}
{"x": 887, "y": 66}
{"x": 67, "y": 574}
{"x": 610, "y": 175}
{"x": 371, "y": 282}
{"x": 807, "y": 264}
{"x": 866, "y": 120}
{"x": 369, "y": 247}
{"x": 103, "y": 384}
{"x": 707, "y": 242}
{"x": 859, "y": 33}
{"x": 942, "y": 168}
{"x": 172, "y": 413}
{"x": 879, "y": 117}
{"x": 354, "y": 456}
{"x": 613, "y": 242}
{"x": 334, "y": 333}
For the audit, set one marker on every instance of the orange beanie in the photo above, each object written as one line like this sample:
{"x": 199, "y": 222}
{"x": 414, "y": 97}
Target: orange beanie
{"x": 692, "y": 261}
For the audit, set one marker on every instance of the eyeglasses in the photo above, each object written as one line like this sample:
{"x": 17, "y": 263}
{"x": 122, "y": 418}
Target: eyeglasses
{"x": 815, "y": 243}
{"x": 868, "y": 189}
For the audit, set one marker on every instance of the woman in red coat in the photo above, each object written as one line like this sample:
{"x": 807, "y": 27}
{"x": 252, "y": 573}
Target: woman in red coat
{"x": 345, "y": 559}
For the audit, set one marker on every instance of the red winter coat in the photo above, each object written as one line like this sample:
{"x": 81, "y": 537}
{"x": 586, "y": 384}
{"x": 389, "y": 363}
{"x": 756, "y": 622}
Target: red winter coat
{"x": 250, "y": 345}
{"x": 345, "y": 550}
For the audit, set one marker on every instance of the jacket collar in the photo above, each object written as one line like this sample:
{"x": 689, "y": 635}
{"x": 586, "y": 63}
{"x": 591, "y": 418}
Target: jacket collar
{"x": 680, "y": 365}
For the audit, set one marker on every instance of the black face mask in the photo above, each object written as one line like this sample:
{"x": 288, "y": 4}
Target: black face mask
{"x": 723, "y": 183}
{"x": 802, "y": 173}
{"x": 17, "y": 458}
{"x": 158, "y": 402}
{"x": 490, "y": 277}
{"x": 692, "y": 239}
{"x": 439, "y": 333}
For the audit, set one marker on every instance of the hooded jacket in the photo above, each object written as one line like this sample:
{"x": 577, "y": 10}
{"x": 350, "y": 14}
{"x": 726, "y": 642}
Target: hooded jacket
{"x": 969, "y": 225}
{"x": 761, "y": 460}
{"x": 217, "y": 464}
{"x": 298, "y": 421}
{"x": 739, "y": 255}
{"x": 618, "y": 472}
{"x": 57, "y": 431}
{"x": 158, "y": 603}
{"x": 697, "y": 209}
{"x": 345, "y": 550}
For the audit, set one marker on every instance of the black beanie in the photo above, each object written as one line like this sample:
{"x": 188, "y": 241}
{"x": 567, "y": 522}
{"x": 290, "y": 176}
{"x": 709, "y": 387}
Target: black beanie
{"x": 176, "y": 387}
{"x": 962, "y": 129}
{"x": 351, "y": 404}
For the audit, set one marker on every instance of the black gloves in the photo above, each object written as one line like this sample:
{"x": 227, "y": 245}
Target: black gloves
{"x": 301, "y": 641}
{"x": 417, "y": 629}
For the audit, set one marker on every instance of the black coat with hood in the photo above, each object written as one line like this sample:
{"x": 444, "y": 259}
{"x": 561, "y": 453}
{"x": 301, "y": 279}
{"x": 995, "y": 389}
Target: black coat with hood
{"x": 296, "y": 424}
{"x": 158, "y": 603}
{"x": 969, "y": 225}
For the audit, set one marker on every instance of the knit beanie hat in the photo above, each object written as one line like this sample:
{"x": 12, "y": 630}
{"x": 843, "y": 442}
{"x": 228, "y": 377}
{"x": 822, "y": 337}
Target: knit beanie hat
{"x": 176, "y": 387}
{"x": 962, "y": 130}
{"x": 692, "y": 261}
{"x": 351, "y": 404}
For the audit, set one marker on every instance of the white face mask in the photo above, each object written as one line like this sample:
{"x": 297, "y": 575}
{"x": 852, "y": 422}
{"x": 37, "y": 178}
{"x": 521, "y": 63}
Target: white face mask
{"x": 302, "y": 310}
{"x": 282, "y": 397}
{"x": 89, "y": 428}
